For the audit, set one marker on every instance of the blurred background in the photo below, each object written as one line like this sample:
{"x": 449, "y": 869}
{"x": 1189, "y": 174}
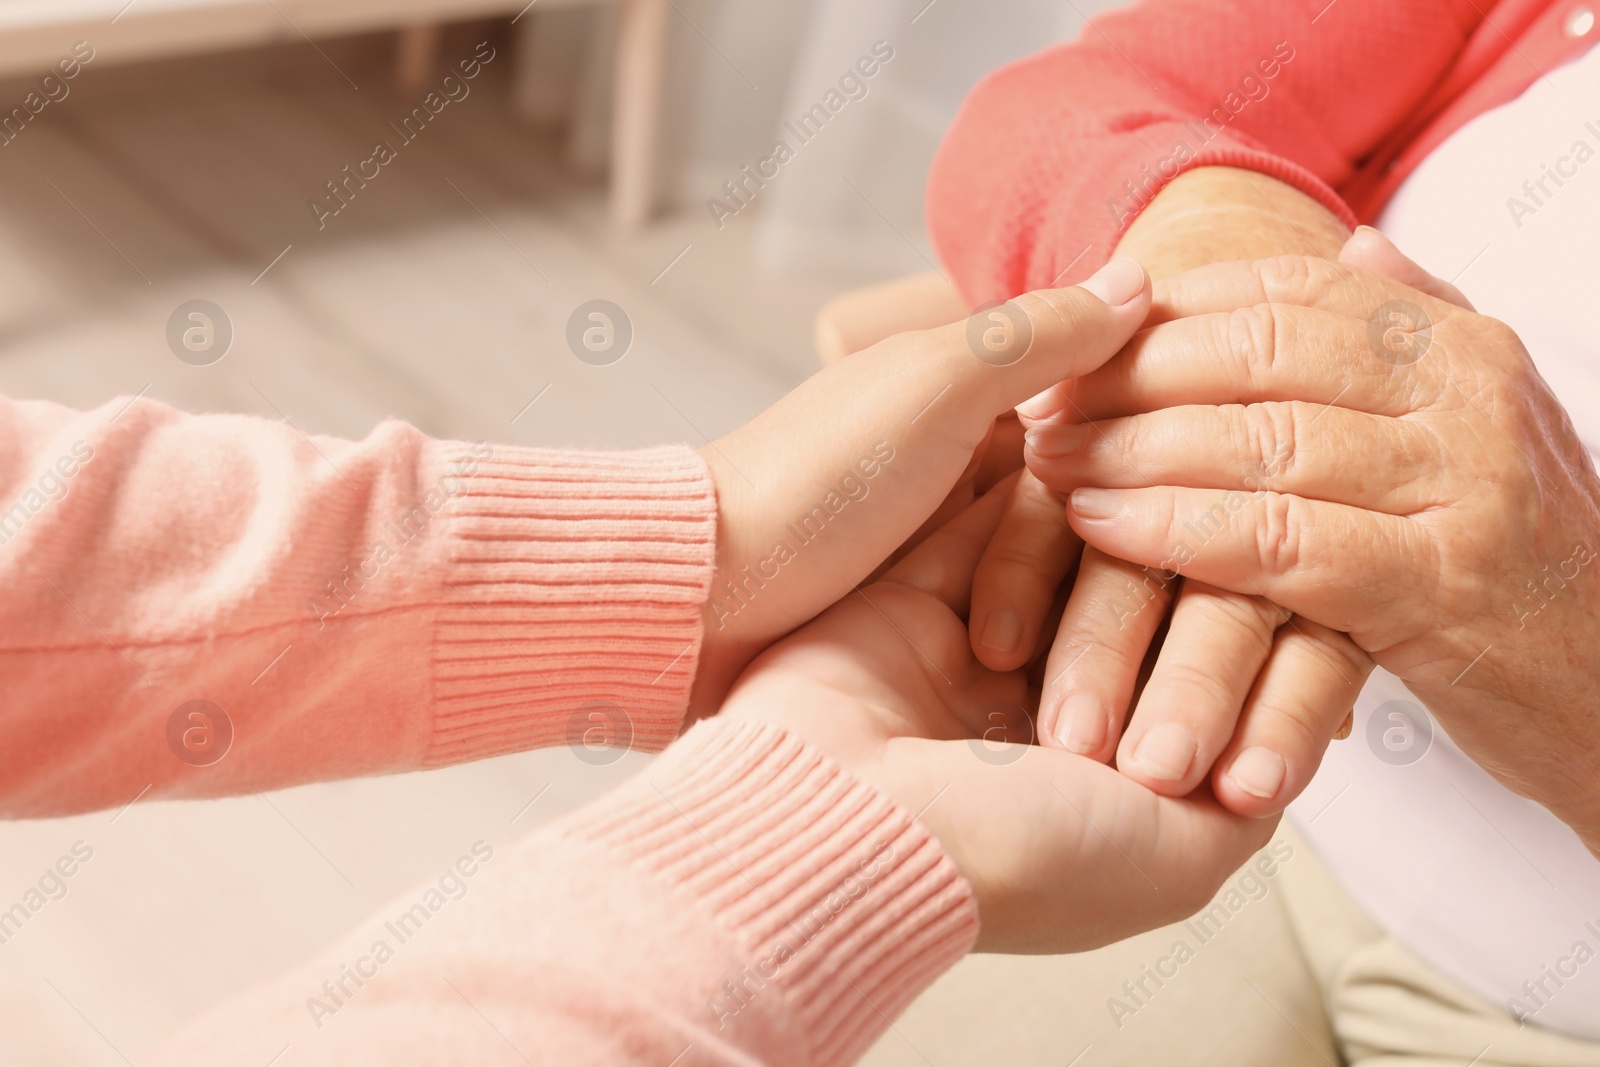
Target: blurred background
{"x": 181, "y": 162}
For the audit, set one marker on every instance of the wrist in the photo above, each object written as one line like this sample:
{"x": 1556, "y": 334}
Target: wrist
{"x": 726, "y": 646}
{"x": 1217, "y": 214}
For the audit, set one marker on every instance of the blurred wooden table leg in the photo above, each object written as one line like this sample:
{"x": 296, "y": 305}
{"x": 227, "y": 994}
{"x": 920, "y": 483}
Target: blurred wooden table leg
{"x": 641, "y": 56}
{"x": 416, "y": 53}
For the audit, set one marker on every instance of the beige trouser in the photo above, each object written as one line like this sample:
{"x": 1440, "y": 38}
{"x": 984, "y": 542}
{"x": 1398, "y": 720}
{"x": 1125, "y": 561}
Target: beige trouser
{"x": 1285, "y": 972}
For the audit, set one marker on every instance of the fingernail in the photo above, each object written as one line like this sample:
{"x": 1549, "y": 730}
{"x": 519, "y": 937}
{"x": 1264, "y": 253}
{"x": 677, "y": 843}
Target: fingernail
{"x": 1117, "y": 282}
{"x": 1095, "y": 503}
{"x": 1258, "y": 771}
{"x": 1041, "y": 405}
{"x": 1165, "y": 752}
{"x": 1081, "y": 724}
{"x": 1048, "y": 442}
{"x": 1002, "y": 630}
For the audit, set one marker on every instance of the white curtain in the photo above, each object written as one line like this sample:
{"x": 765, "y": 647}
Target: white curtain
{"x": 851, "y": 198}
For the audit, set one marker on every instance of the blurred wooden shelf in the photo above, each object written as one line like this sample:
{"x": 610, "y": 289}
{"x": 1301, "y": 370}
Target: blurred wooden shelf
{"x": 34, "y": 34}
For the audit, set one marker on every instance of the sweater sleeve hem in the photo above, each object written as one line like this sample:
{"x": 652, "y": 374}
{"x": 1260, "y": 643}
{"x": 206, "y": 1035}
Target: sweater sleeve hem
{"x": 1247, "y": 158}
{"x": 1055, "y": 265}
{"x": 836, "y": 895}
{"x": 572, "y": 592}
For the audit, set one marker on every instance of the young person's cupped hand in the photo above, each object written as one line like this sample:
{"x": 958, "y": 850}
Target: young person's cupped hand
{"x": 818, "y": 492}
{"x": 1063, "y": 853}
{"x": 1361, "y": 447}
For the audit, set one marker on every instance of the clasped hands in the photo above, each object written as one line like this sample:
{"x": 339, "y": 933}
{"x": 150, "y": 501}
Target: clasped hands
{"x": 1348, "y": 440}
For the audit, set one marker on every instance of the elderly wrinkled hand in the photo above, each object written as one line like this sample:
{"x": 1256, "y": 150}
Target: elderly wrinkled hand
{"x": 1380, "y": 459}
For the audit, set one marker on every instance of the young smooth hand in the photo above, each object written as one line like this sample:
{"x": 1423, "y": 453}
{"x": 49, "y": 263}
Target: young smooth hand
{"x": 1063, "y": 853}
{"x": 816, "y": 493}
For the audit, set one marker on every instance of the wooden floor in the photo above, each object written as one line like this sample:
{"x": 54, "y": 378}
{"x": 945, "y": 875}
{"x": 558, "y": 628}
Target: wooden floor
{"x": 439, "y": 294}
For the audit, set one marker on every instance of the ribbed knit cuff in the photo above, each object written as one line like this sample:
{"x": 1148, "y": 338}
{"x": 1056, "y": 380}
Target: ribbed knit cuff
{"x": 837, "y": 895}
{"x": 571, "y": 612}
{"x": 1273, "y": 166}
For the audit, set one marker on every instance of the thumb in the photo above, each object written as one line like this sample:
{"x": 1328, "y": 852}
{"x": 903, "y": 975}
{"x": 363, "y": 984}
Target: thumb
{"x": 1371, "y": 250}
{"x": 1039, "y": 339}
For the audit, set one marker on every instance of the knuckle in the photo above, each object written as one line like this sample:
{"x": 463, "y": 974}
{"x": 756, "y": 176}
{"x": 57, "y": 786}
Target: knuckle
{"x": 1212, "y": 696}
{"x": 1299, "y": 279}
{"x": 1495, "y": 355}
{"x": 1165, "y": 517}
{"x": 1034, "y": 501}
{"x": 1283, "y": 278}
{"x": 1134, "y": 436}
{"x": 1252, "y": 335}
{"x": 1298, "y": 726}
{"x": 1502, "y": 338}
{"x": 1347, "y": 658}
{"x": 1251, "y": 616}
{"x": 1270, "y": 439}
{"x": 1018, "y": 555}
{"x": 1024, "y": 566}
{"x": 1280, "y": 532}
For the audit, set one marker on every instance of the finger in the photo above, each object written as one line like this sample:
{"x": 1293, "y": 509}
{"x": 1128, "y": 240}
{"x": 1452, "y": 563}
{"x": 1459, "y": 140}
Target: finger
{"x": 1024, "y": 832}
{"x": 944, "y": 563}
{"x": 1257, "y": 353}
{"x": 1002, "y": 455}
{"x": 1001, "y": 356}
{"x": 1032, "y": 550}
{"x": 955, "y": 502}
{"x": 1212, "y": 653}
{"x": 1306, "y": 281}
{"x": 1312, "y": 450}
{"x": 1348, "y": 569}
{"x": 863, "y": 317}
{"x": 886, "y": 433}
{"x": 1111, "y": 616}
{"x": 1369, "y": 249}
{"x": 1300, "y": 702}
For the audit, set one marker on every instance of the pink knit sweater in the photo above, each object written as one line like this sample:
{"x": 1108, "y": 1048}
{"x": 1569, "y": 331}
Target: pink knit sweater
{"x": 345, "y": 608}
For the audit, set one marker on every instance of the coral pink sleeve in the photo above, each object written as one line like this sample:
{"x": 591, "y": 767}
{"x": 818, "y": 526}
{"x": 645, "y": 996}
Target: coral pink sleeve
{"x": 1051, "y": 157}
{"x": 744, "y": 901}
{"x": 340, "y": 608}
